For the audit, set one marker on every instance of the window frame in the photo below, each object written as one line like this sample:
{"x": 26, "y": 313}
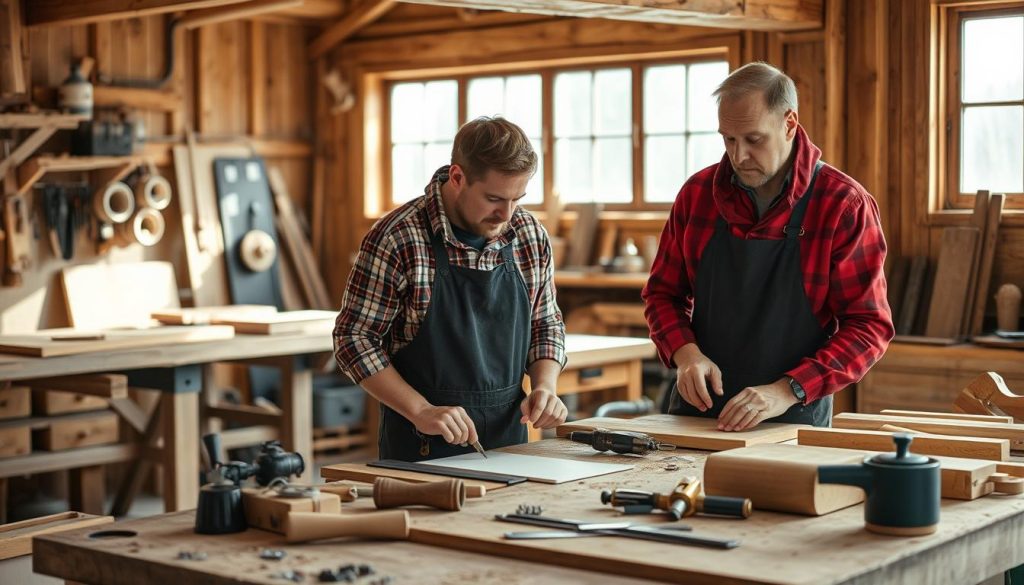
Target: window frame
{"x": 951, "y": 103}
{"x": 547, "y": 70}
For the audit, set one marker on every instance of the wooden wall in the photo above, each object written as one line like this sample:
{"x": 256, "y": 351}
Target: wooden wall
{"x": 240, "y": 80}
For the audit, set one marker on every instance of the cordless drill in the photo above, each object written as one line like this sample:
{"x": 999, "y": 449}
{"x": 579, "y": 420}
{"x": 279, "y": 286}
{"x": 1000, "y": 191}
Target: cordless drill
{"x": 621, "y": 442}
{"x": 684, "y": 500}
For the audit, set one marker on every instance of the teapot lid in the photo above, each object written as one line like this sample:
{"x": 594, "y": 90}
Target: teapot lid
{"x": 902, "y": 456}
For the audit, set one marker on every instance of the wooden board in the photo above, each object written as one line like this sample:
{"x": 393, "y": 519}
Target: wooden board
{"x": 105, "y": 296}
{"x": 581, "y": 239}
{"x": 979, "y": 218}
{"x": 277, "y": 323}
{"x": 952, "y": 278}
{"x": 986, "y": 261}
{"x": 206, "y": 315}
{"x": 688, "y": 431}
{"x": 364, "y": 473}
{"x": 539, "y": 469}
{"x": 896, "y": 279}
{"x": 1013, "y": 432}
{"x": 916, "y": 279}
{"x": 51, "y": 402}
{"x": 1000, "y": 342}
{"x": 42, "y": 343}
{"x": 16, "y": 538}
{"x": 85, "y": 430}
{"x": 948, "y": 415}
{"x": 925, "y": 444}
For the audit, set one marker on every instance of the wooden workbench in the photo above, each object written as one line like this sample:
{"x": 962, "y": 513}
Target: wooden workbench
{"x": 975, "y": 540}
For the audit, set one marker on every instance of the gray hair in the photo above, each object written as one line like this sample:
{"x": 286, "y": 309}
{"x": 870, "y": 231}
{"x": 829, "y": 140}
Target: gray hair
{"x": 778, "y": 89}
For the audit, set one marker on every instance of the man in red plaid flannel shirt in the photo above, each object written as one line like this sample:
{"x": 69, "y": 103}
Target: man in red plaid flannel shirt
{"x": 767, "y": 293}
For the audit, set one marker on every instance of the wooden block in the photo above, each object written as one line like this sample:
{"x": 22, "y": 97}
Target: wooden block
{"x": 80, "y": 431}
{"x": 15, "y": 441}
{"x": 782, "y": 478}
{"x": 1013, "y": 432}
{"x": 15, "y": 402}
{"x": 278, "y": 323}
{"x": 949, "y": 415}
{"x": 101, "y": 385}
{"x": 16, "y": 538}
{"x": 952, "y": 277}
{"x": 965, "y": 479}
{"x": 688, "y": 432}
{"x": 103, "y": 296}
{"x": 925, "y": 444}
{"x": 268, "y": 512}
{"x": 48, "y": 403}
{"x": 206, "y": 315}
{"x": 916, "y": 278}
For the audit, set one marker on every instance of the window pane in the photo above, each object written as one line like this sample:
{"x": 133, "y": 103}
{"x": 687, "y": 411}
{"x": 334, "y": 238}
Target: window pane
{"x": 522, "y": 103}
{"x": 993, "y": 149}
{"x": 572, "y": 104}
{"x": 664, "y": 171}
{"x": 435, "y": 156}
{"x": 535, "y": 188}
{"x": 572, "y": 169}
{"x": 406, "y": 121}
{"x": 407, "y": 176}
{"x": 664, "y": 99}
{"x": 703, "y": 108}
{"x": 993, "y": 59}
{"x": 613, "y": 170}
{"x": 704, "y": 150}
{"x": 613, "y": 102}
{"x": 440, "y": 110}
{"x": 485, "y": 96}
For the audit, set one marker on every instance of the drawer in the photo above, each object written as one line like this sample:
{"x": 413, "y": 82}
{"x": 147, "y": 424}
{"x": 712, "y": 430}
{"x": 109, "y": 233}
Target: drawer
{"x": 50, "y": 402}
{"x": 15, "y": 402}
{"x": 79, "y": 431}
{"x": 594, "y": 378}
{"x": 15, "y": 441}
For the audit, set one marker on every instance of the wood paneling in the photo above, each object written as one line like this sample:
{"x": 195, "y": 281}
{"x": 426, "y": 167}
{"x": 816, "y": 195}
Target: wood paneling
{"x": 63, "y": 13}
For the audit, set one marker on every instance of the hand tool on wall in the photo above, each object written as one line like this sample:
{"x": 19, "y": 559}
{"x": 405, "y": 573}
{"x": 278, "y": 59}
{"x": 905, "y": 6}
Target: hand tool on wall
{"x": 684, "y": 500}
{"x": 639, "y": 531}
{"x": 621, "y": 442}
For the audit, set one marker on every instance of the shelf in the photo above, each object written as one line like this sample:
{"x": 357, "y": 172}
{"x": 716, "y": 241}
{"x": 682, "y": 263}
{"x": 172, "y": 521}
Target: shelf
{"x": 34, "y": 168}
{"x": 40, "y": 119}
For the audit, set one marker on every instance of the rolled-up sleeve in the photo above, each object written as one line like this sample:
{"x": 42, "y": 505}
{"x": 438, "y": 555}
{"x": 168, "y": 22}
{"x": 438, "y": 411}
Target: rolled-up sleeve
{"x": 547, "y": 329}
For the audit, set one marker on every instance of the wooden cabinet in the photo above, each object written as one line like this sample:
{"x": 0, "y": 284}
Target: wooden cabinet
{"x": 923, "y": 377}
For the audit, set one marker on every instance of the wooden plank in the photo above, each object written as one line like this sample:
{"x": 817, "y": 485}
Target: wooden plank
{"x": 208, "y": 16}
{"x": 1013, "y": 432}
{"x": 581, "y": 240}
{"x": 207, "y": 315}
{"x": 80, "y": 431}
{"x": 101, "y": 385}
{"x": 61, "y": 342}
{"x": 258, "y": 78}
{"x": 124, "y": 294}
{"x": 896, "y": 279}
{"x": 47, "y": 403}
{"x": 925, "y": 444}
{"x": 356, "y": 18}
{"x": 987, "y": 260}
{"x": 946, "y": 311}
{"x": 278, "y": 323}
{"x": 12, "y": 70}
{"x": 297, "y": 244}
{"x": 688, "y": 432}
{"x": 912, "y": 298}
{"x": 61, "y": 13}
{"x": 16, "y": 538}
{"x": 835, "y": 82}
{"x": 768, "y": 15}
{"x": 15, "y": 402}
{"x": 979, "y": 219}
{"x": 364, "y": 473}
{"x": 948, "y": 415}
{"x": 43, "y": 462}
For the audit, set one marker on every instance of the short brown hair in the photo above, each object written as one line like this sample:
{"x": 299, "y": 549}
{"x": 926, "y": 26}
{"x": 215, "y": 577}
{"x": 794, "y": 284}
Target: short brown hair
{"x": 486, "y": 144}
{"x": 778, "y": 89}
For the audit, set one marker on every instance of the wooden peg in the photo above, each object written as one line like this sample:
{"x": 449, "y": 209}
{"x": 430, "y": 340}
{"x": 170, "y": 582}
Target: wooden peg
{"x": 305, "y": 526}
{"x": 448, "y": 494}
{"x": 1005, "y": 484}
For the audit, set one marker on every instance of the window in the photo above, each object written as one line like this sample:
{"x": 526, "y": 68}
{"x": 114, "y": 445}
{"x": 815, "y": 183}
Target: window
{"x": 986, "y": 105}
{"x": 624, "y": 135}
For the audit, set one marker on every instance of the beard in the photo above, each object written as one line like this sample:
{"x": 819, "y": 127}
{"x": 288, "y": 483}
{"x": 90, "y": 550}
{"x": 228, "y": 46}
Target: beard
{"x": 753, "y": 178}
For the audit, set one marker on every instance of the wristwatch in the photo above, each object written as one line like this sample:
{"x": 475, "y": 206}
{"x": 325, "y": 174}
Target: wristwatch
{"x": 798, "y": 390}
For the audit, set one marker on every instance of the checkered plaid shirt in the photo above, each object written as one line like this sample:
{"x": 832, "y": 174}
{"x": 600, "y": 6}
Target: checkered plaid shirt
{"x": 841, "y": 255}
{"x": 389, "y": 288}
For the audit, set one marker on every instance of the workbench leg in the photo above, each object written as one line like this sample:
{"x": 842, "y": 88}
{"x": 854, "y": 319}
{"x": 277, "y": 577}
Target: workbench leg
{"x": 86, "y": 491}
{"x": 211, "y": 397}
{"x": 635, "y": 386}
{"x": 297, "y": 411}
{"x": 180, "y": 412}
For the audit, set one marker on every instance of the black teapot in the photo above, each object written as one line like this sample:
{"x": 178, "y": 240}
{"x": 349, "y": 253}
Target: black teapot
{"x": 903, "y": 489}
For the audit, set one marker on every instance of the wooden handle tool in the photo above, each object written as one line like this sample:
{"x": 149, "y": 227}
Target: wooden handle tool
{"x": 346, "y": 491}
{"x": 304, "y": 526}
{"x": 448, "y": 494}
{"x": 1006, "y": 484}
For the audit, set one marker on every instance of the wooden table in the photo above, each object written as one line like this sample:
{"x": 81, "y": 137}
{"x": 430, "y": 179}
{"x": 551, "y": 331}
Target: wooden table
{"x": 603, "y": 280}
{"x": 179, "y": 372}
{"x": 594, "y": 363}
{"x": 976, "y": 539}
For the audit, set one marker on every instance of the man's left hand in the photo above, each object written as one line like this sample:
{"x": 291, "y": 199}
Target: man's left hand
{"x": 543, "y": 409}
{"x": 754, "y": 404}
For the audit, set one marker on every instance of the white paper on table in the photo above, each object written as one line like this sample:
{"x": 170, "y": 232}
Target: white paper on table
{"x": 532, "y": 467}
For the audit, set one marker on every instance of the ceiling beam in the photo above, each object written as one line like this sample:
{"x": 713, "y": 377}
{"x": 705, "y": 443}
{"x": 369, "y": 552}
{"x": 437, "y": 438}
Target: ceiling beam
{"x": 763, "y": 15}
{"x": 65, "y": 12}
{"x": 198, "y": 18}
{"x": 361, "y": 15}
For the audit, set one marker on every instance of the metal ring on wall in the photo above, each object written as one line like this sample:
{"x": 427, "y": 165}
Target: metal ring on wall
{"x": 115, "y": 204}
{"x": 153, "y": 191}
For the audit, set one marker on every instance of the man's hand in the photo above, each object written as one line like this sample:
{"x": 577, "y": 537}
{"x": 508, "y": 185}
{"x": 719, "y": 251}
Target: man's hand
{"x": 694, "y": 372}
{"x": 451, "y": 422}
{"x": 543, "y": 409}
{"x": 755, "y": 404}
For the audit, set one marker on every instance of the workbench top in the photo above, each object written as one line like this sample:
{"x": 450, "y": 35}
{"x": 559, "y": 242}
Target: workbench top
{"x": 976, "y": 539}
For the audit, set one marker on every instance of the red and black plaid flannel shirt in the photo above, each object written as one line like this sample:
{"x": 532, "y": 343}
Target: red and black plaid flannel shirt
{"x": 841, "y": 252}
{"x": 389, "y": 288}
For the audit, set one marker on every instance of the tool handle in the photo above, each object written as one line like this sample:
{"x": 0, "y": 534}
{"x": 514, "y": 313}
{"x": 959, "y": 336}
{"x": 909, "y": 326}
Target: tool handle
{"x": 212, "y": 443}
{"x": 727, "y": 506}
{"x": 346, "y": 491}
{"x": 447, "y": 494}
{"x": 304, "y": 526}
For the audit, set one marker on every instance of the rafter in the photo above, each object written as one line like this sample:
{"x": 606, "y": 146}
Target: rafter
{"x": 361, "y": 15}
{"x": 63, "y": 12}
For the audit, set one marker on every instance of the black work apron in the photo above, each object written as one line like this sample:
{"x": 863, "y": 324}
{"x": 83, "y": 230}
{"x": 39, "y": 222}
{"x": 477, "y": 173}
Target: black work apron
{"x": 470, "y": 351}
{"x": 752, "y": 318}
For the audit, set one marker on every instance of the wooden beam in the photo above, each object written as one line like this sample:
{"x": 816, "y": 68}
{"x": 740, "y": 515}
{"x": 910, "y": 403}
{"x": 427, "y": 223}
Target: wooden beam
{"x": 234, "y": 12}
{"x": 12, "y": 70}
{"x": 360, "y": 16}
{"x": 64, "y": 13}
{"x": 835, "y": 82}
{"x": 766, "y": 15}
